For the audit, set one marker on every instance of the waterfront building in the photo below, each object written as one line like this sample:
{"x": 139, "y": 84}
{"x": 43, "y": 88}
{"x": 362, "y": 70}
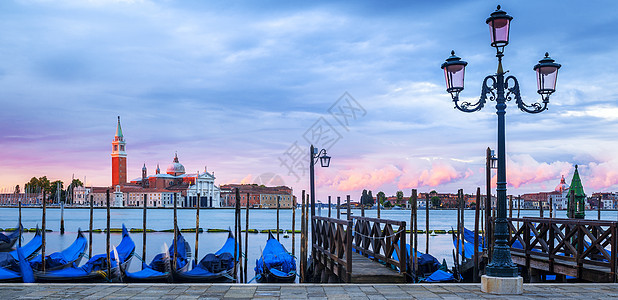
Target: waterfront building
{"x": 257, "y": 195}
{"x": 159, "y": 189}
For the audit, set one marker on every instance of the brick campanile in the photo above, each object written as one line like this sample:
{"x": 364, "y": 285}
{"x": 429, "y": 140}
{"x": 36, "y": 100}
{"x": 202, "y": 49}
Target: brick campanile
{"x": 119, "y": 158}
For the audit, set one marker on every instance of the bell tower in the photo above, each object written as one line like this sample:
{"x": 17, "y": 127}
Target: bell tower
{"x": 119, "y": 158}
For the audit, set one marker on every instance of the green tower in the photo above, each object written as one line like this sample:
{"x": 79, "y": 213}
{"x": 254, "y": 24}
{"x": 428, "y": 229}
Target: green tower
{"x": 576, "y": 197}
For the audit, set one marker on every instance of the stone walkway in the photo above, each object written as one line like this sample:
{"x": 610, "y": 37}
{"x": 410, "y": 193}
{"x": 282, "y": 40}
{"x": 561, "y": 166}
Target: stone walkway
{"x": 298, "y": 291}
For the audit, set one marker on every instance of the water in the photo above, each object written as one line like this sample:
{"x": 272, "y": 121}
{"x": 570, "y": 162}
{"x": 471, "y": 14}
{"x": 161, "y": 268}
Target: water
{"x": 441, "y": 245}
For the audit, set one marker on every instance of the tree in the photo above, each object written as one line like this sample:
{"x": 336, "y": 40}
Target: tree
{"x": 56, "y": 190}
{"x": 435, "y": 201}
{"x": 363, "y": 198}
{"x": 17, "y": 189}
{"x": 380, "y": 197}
{"x": 399, "y": 196}
{"x": 370, "y": 198}
{"x": 387, "y": 204}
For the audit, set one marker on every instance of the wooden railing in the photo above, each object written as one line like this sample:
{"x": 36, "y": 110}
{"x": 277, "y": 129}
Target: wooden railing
{"x": 580, "y": 242}
{"x": 333, "y": 245}
{"x": 377, "y": 239}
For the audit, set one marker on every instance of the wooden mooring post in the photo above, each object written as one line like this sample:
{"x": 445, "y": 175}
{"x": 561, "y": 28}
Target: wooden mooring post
{"x": 198, "y": 201}
{"x": 43, "y": 221}
{"x": 338, "y": 207}
{"x": 426, "y": 222}
{"x": 511, "y": 206}
{"x": 302, "y": 262}
{"x": 278, "y": 199}
{"x": 61, "y": 218}
{"x": 362, "y": 205}
{"x": 90, "y": 226}
{"x": 294, "y": 225}
{"x": 599, "y": 208}
{"x": 236, "y": 235}
{"x": 413, "y": 236}
{"x": 107, "y": 236}
{"x": 19, "y": 222}
{"x": 329, "y": 206}
{"x": 378, "y": 200}
{"x": 349, "y": 207}
{"x": 476, "y": 234}
{"x": 247, "y": 237}
{"x": 174, "y": 262}
{"x": 144, "y": 229}
{"x": 457, "y": 247}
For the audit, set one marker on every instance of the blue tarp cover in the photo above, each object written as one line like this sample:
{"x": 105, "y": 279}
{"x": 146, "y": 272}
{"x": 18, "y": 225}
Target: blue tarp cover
{"x": 157, "y": 266}
{"x": 275, "y": 256}
{"x": 97, "y": 263}
{"x": 439, "y": 276}
{"x": 57, "y": 259}
{"x": 199, "y": 271}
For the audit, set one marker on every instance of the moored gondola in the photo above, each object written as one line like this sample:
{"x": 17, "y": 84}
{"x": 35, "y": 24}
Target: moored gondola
{"x": 69, "y": 257}
{"x": 159, "y": 269}
{"x": 215, "y": 267}
{"x": 95, "y": 269}
{"x": 10, "y": 260}
{"x": 8, "y": 240}
{"x": 276, "y": 265}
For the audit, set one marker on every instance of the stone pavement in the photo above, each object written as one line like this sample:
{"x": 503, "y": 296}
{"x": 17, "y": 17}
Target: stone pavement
{"x": 298, "y": 291}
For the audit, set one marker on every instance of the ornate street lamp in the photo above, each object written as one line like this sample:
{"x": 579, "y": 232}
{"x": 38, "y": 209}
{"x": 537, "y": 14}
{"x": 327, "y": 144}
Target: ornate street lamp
{"x": 495, "y": 87}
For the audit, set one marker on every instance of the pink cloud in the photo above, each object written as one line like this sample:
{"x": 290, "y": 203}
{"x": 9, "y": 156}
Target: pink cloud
{"x": 523, "y": 169}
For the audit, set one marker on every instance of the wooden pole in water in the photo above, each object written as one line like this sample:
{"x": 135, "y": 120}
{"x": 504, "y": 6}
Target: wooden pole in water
{"x": 307, "y": 245}
{"x": 463, "y": 224}
{"x": 476, "y": 234}
{"x": 599, "y": 208}
{"x": 519, "y": 208}
{"x": 294, "y": 225}
{"x": 378, "y": 200}
{"x": 197, "y": 224}
{"x": 19, "y": 223}
{"x": 362, "y": 205}
{"x": 427, "y": 200}
{"x": 236, "y": 236}
{"x": 107, "y": 246}
{"x": 551, "y": 209}
{"x": 302, "y": 237}
{"x": 510, "y": 206}
{"x": 457, "y": 247}
{"x": 144, "y": 218}
{"x": 175, "y": 232}
{"x": 329, "y": 207}
{"x": 242, "y": 266}
{"x": 278, "y": 199}
{"x": 61, "y": 218}
{"x": 349, "y": 207}
{"x": 90, "y": 226}
{"x": 43, "y": 232}
{"x": 413, "y": 234}
{"x": 541, "y": 213}
{"x": 338, "y": 207}
{"x": 246, "y": 236}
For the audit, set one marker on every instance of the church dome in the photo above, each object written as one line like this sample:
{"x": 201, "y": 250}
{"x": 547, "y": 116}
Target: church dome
{"x": 562, "y": 187}
{"x": 175, "y": 168}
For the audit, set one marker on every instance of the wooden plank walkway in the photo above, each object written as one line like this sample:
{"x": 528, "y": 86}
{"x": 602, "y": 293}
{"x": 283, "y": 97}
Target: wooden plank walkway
{"x": 365, "y": 270}
{"x": 299, "y": 291}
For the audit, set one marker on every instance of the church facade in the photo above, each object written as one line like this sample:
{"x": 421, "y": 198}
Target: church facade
{"x": 157, "y": 190}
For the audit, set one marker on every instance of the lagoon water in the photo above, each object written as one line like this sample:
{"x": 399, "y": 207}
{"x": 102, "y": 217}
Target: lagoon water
{"x": 441, "y": 245}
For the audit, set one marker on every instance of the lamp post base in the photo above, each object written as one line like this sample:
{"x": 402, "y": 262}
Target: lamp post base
{"x": 502, "y": 285}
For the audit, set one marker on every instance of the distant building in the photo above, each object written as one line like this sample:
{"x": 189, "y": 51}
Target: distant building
{"x": 158, "y": 190}
{"x": 257, "y": 195}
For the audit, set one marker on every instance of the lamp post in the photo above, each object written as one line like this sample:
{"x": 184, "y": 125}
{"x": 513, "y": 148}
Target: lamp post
{"x": 324, "y": 162}
{"x": 494, "y": 87}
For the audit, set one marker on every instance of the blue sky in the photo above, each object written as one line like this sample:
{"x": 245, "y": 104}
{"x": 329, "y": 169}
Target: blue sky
{"x": 232, "y": 86}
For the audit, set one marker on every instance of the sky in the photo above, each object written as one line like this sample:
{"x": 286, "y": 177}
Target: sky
{"x": 242, "y": 88}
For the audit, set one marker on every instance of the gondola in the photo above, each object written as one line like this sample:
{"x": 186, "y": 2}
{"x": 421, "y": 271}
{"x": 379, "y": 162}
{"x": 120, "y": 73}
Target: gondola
{"x": 276, "y": 265}
{"x": 159, "y": 268}
{"x": 10, "y": 260}
{"x": 95, "y": 269}
{"x": 429, "y": 269}
{"x": 71, "y": 256}
{"x": 23, "y": 274}
{"x": 215, "y": 267}
{"x": 8, "y": 240}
